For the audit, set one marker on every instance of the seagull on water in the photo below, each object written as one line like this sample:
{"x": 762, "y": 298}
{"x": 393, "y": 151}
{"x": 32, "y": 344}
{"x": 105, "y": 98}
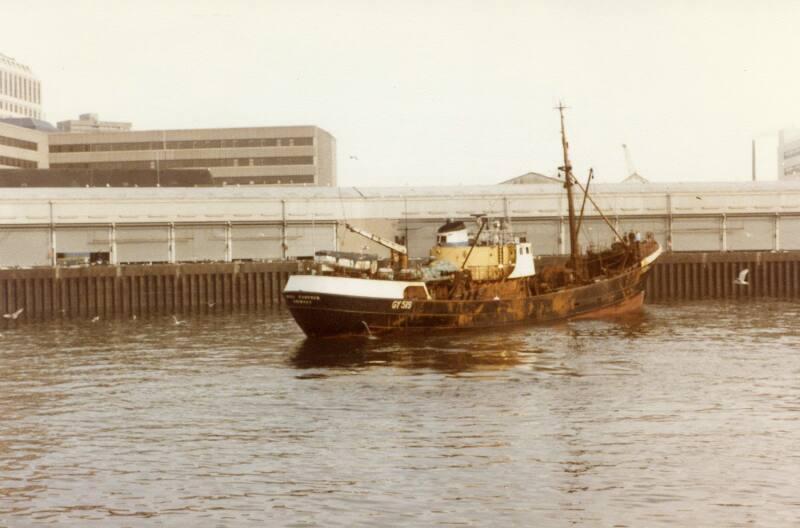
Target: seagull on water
{"x": 369, "y": 332}
{"x": 741, "y": 280}
{"x": 177, "y": 321}
{"x": 13, "y": 315}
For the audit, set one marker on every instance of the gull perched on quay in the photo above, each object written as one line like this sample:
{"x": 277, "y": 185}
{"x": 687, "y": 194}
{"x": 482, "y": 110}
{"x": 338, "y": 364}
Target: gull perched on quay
{"x": 741, "y": 280}
{"x": 14, "y": 315}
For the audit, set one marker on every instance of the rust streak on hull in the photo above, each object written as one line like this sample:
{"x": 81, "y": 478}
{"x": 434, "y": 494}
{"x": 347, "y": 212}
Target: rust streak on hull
{"x": 627, "y": 306}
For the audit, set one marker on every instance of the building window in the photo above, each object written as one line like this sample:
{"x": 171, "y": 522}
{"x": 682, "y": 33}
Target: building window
{"x": 16, "y": 162}
{"x": 184, "y": 145}
{"x": 267, "y": 180}
{"x": 191, "y": 163}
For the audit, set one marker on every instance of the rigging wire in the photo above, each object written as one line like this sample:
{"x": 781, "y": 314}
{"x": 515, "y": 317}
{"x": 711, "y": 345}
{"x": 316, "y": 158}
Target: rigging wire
{"x": 604, "y": 217}
{"x": 344, "y": 216}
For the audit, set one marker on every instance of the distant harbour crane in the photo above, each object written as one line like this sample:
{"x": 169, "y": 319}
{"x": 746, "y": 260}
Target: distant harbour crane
{"x": 629, "y": 164}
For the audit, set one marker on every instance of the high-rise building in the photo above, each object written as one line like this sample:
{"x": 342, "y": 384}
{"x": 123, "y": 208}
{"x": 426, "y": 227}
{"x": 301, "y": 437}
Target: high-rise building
{"x": 789, "y": 155}
{"x": 20, "y": 90}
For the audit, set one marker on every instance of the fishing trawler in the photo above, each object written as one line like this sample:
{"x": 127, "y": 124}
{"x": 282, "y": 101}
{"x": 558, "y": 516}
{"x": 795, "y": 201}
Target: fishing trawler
{"x": 483, "y": 279}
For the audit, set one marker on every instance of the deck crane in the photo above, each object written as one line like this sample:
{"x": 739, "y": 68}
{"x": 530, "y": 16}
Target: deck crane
{"x": 399, "y": 252}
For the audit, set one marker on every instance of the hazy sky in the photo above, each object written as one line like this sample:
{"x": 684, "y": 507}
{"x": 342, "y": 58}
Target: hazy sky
{"x": 437, "y": 92}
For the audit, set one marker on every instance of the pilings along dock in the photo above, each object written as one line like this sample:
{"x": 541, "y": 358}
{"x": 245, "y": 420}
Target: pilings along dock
{"x": 184, "y": 249}
{"x": 697, "y": 276}
{"x": 163, "y": 289}
{"x": 127, "y": 290}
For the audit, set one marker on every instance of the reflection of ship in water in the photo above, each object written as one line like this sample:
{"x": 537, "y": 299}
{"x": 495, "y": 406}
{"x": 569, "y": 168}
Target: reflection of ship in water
{"x": 468, "y": 353}
{"x": 481, "y": 280}
{"x": 554, "y": 349}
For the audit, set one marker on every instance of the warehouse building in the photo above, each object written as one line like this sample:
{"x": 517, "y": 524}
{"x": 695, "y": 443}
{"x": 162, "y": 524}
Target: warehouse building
{"x": 46, "y": 226}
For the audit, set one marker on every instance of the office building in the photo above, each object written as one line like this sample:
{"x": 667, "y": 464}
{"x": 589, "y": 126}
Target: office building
{"x": 104, "y": 178}
{"x": 295, "y": 155}
{"x": 20, "y": 90}
{"x": 91, "y": 123}
{"x": 22, "y": 147}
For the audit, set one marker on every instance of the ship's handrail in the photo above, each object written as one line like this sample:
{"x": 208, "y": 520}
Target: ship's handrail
{"x": 502, "y": 238}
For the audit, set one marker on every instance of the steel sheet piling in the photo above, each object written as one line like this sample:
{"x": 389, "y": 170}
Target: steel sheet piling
{"x": 696, "y": 276}
{"x": 124, "y": 290}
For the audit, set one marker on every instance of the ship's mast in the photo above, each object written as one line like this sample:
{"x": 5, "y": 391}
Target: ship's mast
{"x": 568, "y": 183}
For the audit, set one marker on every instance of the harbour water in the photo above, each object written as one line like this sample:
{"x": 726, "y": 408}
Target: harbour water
{"x": 684, "y": 415}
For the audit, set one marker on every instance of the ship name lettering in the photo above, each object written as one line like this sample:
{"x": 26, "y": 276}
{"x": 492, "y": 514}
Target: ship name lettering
{"x": 401, "y": 305}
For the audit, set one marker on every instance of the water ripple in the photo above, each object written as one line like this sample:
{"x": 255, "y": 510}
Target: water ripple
{"x": 684, "y": 415}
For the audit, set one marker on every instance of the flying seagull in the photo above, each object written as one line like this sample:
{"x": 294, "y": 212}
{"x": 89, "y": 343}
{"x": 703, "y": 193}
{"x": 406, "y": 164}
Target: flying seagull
{"x": 741, "y": 280}
{"x": 95, "y": 318}
{"x": 177, "y": 321}
{"x": 14, "y": 315}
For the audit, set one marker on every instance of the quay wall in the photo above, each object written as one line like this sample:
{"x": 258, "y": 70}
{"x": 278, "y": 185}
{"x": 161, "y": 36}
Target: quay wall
{"x": 697, "y": 276}
{"x": 694, "y": 276}
{"x": 142, "y": 290}
{"x": 109, "y": 291}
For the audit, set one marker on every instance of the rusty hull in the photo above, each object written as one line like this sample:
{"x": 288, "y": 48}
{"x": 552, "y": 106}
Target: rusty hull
{"x": 329, "y": 315}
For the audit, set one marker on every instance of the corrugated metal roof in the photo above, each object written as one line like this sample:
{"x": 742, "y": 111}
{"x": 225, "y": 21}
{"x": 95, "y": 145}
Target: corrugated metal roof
{"x": 270, "y": 192}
